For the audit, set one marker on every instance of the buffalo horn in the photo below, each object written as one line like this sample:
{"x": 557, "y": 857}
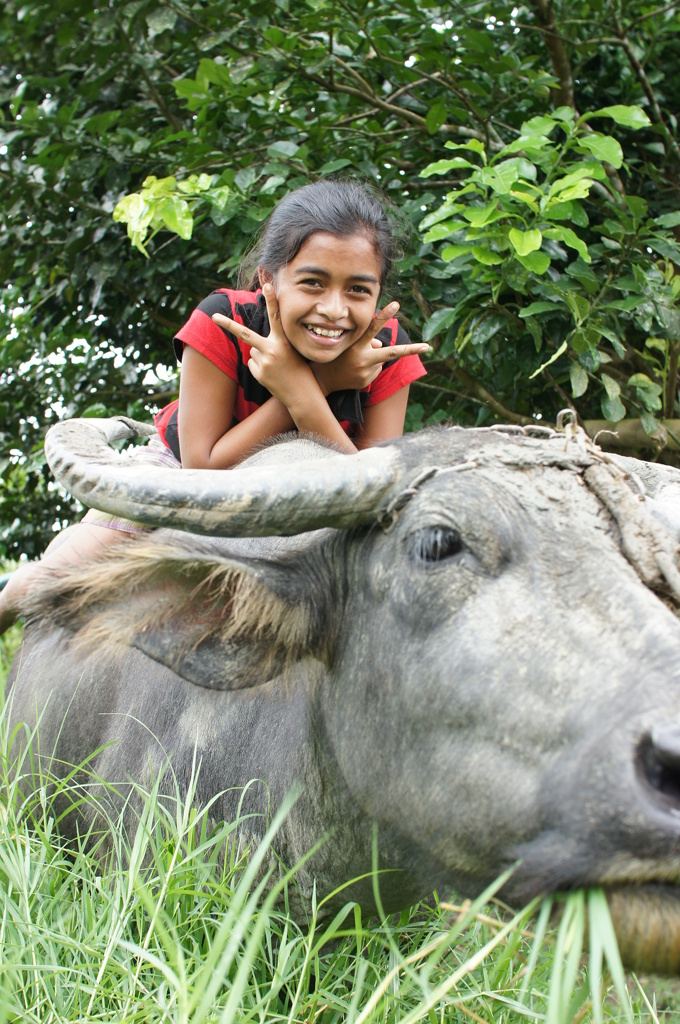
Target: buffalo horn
{"x": 261, "y": 501}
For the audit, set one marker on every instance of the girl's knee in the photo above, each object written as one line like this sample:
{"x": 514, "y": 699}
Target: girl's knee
{"x": 15, "y": 590}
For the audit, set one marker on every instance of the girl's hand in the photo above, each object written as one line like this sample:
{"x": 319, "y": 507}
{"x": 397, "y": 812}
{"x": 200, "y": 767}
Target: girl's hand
{"x": 273, "y": 360}
{"x": 360, "y": 364}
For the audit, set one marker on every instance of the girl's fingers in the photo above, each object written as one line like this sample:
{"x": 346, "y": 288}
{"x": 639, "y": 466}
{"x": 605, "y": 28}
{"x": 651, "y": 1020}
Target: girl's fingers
{"x": 389, "y": 352}
{"x": 380, "y": 319}
{"x": 382, "y": 354}
{"x": 272, "y": 303}
{"x": 242, "y": 332}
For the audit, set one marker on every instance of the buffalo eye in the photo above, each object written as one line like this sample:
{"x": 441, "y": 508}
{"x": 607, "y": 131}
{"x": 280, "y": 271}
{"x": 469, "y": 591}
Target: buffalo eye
{"x": 436, "y": 543}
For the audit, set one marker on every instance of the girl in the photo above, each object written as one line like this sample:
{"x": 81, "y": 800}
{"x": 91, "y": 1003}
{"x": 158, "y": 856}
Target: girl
{"x": 300, "y": 347}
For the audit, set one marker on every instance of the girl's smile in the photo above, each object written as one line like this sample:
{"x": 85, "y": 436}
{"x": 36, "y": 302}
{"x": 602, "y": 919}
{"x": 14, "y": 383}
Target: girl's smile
{"x": 328, "y": 294}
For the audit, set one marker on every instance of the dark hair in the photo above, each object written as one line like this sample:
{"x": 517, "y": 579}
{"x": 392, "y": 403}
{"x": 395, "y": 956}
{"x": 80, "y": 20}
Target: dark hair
{"x": 338, "y": 205}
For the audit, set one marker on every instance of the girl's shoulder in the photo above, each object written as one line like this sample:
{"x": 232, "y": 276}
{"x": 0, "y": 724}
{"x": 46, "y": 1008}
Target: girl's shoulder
{"x": 246, "y": 307}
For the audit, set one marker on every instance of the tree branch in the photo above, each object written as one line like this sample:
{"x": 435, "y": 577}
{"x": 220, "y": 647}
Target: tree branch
{"x": 561, "y": 66}
{"x": 671, "y": 380}
{"x": 641, "y": 75}
{"x": 559, "y": 58}
{"x": 472, "y": 386}
{"x": 480, "y": 392}
{"x": 175, "y": 124}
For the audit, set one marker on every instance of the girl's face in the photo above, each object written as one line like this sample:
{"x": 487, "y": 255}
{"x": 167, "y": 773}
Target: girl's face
{"x": 328, "y": 294}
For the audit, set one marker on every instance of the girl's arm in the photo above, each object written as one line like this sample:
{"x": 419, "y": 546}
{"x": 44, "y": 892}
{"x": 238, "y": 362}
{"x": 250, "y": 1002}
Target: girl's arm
{"x": 206, "y": 408}
{"x": 384, "y": 421}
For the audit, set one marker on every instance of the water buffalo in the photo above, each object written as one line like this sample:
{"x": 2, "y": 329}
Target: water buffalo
{"x": 468, "y": 637}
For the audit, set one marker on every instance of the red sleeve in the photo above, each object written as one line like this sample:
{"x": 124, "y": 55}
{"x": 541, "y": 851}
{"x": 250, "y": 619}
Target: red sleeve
{"x": 203, "y": 334}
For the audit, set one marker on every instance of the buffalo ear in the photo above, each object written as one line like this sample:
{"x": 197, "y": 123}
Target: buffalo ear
{"x": 225, "y": 623}
{"x": 234, "y": 625}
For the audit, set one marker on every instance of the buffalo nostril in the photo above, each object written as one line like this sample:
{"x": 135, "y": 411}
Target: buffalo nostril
{"x": 666, "y": 743}
{"x": 659, "y": 761}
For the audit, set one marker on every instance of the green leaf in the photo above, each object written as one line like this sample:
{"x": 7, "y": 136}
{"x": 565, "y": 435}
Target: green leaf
{"x": 556, "y": 355}
{"x": 607, "y": 332}
{"x": 578, "y": 304}
{"x": 542, "y": 124}
{"x": 612, "y": 408}
{"x": 612, "y": 387}
{"x": 536, "y": 308}
{"x": 210, "y": 72}
{"x": 176, "y": 215}
{"x": 283, "y": 148}
{"x": 630, "y": 117}
{"x": 668, "y": 248}
{"x": 443, "y": 230}
{"x": 536, "y": 262}
{"x": 579, "y": 380}
{"x": 587, "y": 170}
{"x": 647, "y": 390}
{"x": 161, "y": 20}
{"x": 478, "y": 216}
{"x": 438, "y": 322}
{"x": 502, "y": 176}
{"x": 486, "y": 256}
{"x": 452, "y": 252}
{"x": 579, "y": 190}
{"x": 273, "y": 182}
{"x": 274, "y": 35}
{"x": 474, "y": 145}
{"x": 526, "y": 198}
{"x": 571, "y": 210}
{"x": 603, "y": 147}
{"x": 668, "y": 220}
{"x": 436, "y": 117}
{"x": 444, "y": 166}
{"x": 637, "y": 206}
{"x": 649, "y": 423}
{"x": 245, "y": 178}
{"x": 443, "y": 213}
{"x": 569, "y": 238}
{"x": 99, "y": 124}
{"x": 629, "y": 303}
{"x": 525, "y": 242}
{"x": 153, "y": 187}
{"x": 486, "y": 327}
{"x": 534, "y": 329}
{"x": 588, "y": 356}
{"x": 331, "y": 166}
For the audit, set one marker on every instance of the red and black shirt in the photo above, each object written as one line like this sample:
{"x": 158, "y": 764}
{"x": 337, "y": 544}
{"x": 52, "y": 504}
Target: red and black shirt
{"x": 231, "y": 355}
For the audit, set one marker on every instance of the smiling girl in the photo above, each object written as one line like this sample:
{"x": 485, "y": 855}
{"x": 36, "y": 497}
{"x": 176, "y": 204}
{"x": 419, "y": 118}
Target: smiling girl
{"x": 301, "y": 346}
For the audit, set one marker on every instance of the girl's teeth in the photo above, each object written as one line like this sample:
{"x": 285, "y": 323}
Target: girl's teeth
{"x": 324, "y": 333}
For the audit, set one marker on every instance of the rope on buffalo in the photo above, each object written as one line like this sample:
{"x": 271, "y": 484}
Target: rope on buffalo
{"x": 649, "y": 547}
{"x": 645, "y": 543}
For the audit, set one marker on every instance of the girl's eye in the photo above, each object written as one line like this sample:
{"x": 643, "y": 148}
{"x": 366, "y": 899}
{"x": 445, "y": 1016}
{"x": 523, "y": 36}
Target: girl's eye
{"x": 361, "y": 289}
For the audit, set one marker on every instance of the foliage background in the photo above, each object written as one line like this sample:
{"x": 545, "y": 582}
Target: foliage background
{"x": 257, "y": 98}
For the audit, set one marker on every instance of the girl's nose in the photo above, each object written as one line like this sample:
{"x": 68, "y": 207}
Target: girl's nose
{"x": 333, "y": 306}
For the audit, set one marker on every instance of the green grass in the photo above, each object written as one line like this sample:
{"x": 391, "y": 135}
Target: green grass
{"x": 187, "y": 932}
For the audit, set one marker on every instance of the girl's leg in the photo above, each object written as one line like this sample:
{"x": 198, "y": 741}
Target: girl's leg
{"x": 73, "y": 546}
